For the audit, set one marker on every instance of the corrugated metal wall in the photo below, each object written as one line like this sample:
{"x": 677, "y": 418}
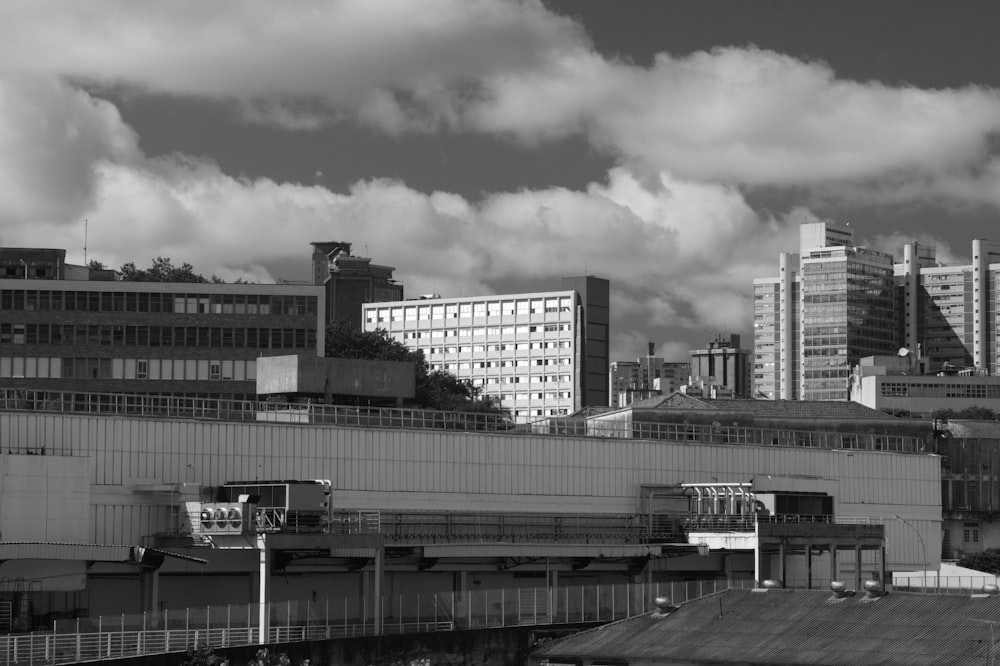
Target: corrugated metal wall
{"x": 397, "y": 469}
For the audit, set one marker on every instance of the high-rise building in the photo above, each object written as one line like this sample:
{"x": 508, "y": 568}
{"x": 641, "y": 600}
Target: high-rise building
{"x": 833, "y": 304}
{"x": 645, "y": 377}
{"x": 351, "y": 281}
{"x": 541, "y": 354}
{"x": 724, "y": 364}
{"x": 830, "y": 305}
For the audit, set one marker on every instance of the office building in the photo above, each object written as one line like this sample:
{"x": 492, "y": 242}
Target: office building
{"x": 831, "y": 305}
{"x": 59, "y": 334}
{"x": 541, "y": 354}
{"x": 723, "y": 364}
{"x": 350, "y": 281}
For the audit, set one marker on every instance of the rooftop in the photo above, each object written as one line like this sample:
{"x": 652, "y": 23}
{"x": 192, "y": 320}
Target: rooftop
{"x": 797, "y": 627}
{"x": 792, "y": 409}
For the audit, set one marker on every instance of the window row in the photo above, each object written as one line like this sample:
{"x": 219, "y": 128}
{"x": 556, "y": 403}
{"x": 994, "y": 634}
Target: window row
{"x": 492, "y": 331}
{"x": 127, "y": 368}
{"x": 117, "y": 301}
{"x": 515, "y": 379}
{"x": 930, "y": 390}
{"x": 115, "y": 335}
{"x": 507, "y": 346}
{"x": 471, "y": 309}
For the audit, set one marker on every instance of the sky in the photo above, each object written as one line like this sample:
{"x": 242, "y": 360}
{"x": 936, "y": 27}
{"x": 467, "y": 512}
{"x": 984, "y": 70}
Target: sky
{"x": 484, "y": 146}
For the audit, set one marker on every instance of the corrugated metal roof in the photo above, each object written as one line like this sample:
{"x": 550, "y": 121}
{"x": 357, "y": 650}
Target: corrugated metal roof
{"x": 798, "y": 627}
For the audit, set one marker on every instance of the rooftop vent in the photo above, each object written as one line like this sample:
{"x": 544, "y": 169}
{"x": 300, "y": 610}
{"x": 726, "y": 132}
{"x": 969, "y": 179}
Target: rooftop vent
{"x": 839, "y": 589}
{"x": 873, "y": 589}
{"x": 663, "y": 606}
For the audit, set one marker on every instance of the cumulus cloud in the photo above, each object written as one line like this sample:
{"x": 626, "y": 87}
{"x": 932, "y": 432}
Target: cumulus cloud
{"x": 659, "y": 240}
{"x": 739, "y": 115}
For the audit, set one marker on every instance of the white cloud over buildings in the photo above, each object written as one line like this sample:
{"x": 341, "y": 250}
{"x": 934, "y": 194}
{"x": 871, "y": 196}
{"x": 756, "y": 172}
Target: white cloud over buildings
{"x": 670, "y": 225}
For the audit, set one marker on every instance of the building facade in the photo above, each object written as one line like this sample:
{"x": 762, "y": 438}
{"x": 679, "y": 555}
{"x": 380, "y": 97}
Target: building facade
{"x": 833, "y": 304}
{"x": 176, "y": 339}
{"x": 350, "y": 281}
{"x": 541, "y": 354}
{"x": 723, "y": 364}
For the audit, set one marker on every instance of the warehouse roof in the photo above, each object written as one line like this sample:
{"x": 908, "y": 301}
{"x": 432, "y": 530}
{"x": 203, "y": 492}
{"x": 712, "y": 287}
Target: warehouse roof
{"x": 796, "y": 627}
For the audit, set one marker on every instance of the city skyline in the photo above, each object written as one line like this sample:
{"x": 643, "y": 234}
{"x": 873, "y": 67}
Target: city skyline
{"x": 493, "y": 147}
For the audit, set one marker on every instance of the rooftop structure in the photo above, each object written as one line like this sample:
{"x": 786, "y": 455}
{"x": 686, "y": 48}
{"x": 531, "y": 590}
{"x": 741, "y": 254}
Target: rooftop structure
{"x": 350, "y": 281}
{"x": 723, "y": 364}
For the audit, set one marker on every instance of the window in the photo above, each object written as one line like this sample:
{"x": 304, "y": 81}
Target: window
{"x": 970, "y": 533}
{"x": 142, "y": 369}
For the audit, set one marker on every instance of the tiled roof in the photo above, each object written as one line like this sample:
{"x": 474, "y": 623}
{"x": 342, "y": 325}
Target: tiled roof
{"x": 798, "y": 627}
{"x": 791, "y": 409}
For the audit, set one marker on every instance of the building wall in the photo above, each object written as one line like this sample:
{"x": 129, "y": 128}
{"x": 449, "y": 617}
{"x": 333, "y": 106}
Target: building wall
{"x": 594, "y": 294}
{"x": 848, "y": 299}
{"x": 150, "y": 337}
{"x": 446, "y": 471}
{"x": 923, "y": 395}
{"x": 524, "y": 349}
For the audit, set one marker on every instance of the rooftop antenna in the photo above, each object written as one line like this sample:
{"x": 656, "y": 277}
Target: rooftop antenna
{"x": 86, "y": 225}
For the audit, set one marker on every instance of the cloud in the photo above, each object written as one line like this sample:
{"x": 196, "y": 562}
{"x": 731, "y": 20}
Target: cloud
{"x": 744, "y": 116}
{"x": 680, "y": 254}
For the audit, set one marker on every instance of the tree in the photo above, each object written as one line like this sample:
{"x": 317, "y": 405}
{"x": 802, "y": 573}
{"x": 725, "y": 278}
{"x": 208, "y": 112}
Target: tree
{"x": 987, "y": 561}
{"x": 435, "y": 389}
{"x": 162, "y": 270}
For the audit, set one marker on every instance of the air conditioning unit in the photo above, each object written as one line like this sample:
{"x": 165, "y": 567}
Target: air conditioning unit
{"x": 221, "y": 518}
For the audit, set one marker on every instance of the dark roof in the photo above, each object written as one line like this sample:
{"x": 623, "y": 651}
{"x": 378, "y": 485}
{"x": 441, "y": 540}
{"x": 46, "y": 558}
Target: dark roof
{"x": 789, "y": 409}
{"x": 797, "y": 627}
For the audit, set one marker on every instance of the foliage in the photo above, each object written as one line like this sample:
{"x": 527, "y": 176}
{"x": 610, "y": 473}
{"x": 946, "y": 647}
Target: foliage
{"x": 435, "y": 389}
{"x": 203, "y": 656}
{"x": 96, "y": 265}
{"x": 162, "y": 270}
{"x": 974, "y": 413}
{"x": 987, "y": 561}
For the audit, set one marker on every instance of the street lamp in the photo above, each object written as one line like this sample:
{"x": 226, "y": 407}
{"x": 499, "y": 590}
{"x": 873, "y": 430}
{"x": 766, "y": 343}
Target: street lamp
{"x": 923, "y": 546}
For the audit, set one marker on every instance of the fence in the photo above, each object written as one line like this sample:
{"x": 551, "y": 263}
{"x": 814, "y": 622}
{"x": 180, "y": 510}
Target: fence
{"x": 122, "y": 636}
{"x": 156, "y": 406}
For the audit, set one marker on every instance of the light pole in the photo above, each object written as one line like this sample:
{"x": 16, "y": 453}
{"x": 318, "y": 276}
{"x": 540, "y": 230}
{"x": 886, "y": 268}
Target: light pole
{"x": 923, "y": 546}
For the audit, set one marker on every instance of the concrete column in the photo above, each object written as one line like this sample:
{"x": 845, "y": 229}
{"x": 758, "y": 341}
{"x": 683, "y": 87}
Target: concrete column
{"x": 857, "y": 568}
{"x": 833, "y": 562}
{"x": 809, "y": 566}
{"x": 781, "y": 563}
{"x": 758, "y": 569}
{"x": 149, "y": 589}
{"x": 379, "y": 574}
{"x": 263, "y": 588}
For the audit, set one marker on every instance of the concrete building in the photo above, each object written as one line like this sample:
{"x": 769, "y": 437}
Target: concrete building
{"x": 60, "y": 333}
{"x": 645, "y": 377}
{"x": 900, "y": 384}
{"x": 541, "y": 354}
{"x": 833, "y": 304}
{"x": 723, "y": 364}
{"x": 350, "y": 281}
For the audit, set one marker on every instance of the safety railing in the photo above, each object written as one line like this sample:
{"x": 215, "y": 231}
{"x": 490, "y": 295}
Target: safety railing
{"x": 121, "y": 636}
{"x": 155, "y": 406}
{"x": 932, "y": 583}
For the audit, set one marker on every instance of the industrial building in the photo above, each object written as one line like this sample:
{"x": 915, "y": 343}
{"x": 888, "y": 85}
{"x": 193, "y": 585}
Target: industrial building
{"x": 833, "y": 304}
{"x": 61, "y": 331}
{"x": 540, "y": 354}
{"x": 400, "y": 501}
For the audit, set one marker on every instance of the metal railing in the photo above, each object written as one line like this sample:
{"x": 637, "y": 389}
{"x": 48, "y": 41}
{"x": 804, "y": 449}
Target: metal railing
{"x": 156, "y": 406}
{"x": 122, "y": 636}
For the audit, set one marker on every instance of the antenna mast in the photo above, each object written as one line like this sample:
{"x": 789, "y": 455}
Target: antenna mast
{"x": 86, "y": 225}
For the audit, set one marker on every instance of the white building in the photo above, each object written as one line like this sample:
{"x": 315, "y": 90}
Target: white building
{"x": 541, "y": 354}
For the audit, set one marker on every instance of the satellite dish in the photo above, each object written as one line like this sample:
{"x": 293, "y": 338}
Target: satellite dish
{"x": 903, "y": 351}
